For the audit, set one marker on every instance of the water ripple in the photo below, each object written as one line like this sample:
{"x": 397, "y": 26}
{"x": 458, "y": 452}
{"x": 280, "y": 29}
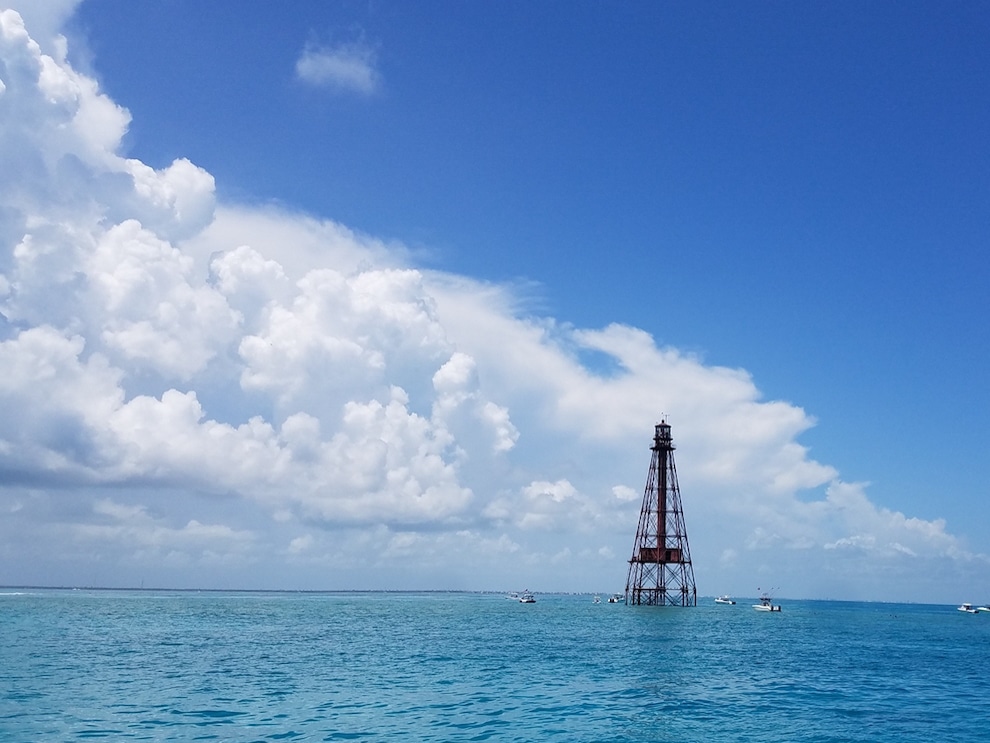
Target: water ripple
{"x": 463, "y": 667}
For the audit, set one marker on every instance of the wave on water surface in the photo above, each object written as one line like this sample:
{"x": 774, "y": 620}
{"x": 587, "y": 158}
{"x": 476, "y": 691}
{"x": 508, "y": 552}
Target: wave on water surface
{"x": 81, "y": 665}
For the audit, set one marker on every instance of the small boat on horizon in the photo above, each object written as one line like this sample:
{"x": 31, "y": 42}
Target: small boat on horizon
{"x": 724, "y": 600}
{"x": 615, "y": 598}
{"x": 968, "y": 608}
{"x": 526, "y": 597}
{"x": 766, "y": 603}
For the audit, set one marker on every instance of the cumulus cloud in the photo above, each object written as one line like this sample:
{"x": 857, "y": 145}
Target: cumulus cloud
{"x": 343, "y": 68}
{"x": 319, "y": 402}
{"x": 146, "y": 535}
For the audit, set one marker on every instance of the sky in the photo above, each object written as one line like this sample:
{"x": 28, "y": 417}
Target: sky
{"x": 387, "y": 295}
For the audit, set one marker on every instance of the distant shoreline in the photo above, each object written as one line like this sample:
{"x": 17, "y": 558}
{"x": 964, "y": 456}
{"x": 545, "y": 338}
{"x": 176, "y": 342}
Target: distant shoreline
{"x": 703, "y": 600}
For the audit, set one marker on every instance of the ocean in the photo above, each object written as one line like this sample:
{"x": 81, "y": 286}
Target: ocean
{"x": 243, "y": 666}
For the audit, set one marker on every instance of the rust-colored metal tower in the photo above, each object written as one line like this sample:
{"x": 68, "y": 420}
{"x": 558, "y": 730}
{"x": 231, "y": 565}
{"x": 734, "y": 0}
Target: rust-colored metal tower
{"x": 660, "y": 572}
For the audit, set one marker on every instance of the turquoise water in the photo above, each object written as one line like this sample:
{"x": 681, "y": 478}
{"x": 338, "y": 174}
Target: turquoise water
{"x": 184, "y": 666}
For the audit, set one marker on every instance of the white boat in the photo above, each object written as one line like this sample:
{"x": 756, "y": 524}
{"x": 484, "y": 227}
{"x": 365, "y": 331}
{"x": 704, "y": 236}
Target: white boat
{"x": 527, "y": 598}
{"x": 615, "y": 598}
{"x": 724, "y": 600}
{"x": 968, "y": 608}
{"x": 766, "y": 604}
{"x": 597, "y": 599}
{"x": 986, "y": 608}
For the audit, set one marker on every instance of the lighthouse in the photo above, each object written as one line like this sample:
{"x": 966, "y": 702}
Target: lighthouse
{"x": 660, "y": 571}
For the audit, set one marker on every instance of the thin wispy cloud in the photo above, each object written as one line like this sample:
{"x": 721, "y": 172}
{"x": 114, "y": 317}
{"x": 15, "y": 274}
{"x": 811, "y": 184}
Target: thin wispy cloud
{"x": 347, "y": 68}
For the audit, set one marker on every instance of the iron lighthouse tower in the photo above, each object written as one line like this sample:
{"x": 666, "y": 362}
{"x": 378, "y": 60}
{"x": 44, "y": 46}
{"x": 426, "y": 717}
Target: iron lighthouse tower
{"x": 660, "y": 572}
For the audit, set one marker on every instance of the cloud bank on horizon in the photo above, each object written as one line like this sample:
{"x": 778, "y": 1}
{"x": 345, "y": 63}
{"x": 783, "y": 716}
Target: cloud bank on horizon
{"x": 207, "y": 394}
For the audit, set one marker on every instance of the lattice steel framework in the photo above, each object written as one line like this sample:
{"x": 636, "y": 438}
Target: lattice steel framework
{"x": 660, "y": 572}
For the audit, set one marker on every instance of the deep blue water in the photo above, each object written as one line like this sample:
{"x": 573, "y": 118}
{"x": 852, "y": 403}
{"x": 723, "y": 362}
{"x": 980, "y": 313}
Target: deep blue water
{"x": 184, "y": 666}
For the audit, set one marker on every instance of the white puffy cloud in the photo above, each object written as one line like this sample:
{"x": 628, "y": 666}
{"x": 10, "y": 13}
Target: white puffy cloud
{"x": 54, "y": 405}
{"x": 175, "y": 202}
{"x": 147, "y": 536}
{"x": 50, "y": 110}
{"x": 46, "y": 19}
{"x": 154, "y": 312}
{"x": 347, "y": 67}
{"x": 343, "y": 332}
{"x": 323, "y": 403}
{"x": 459, "y": 403}
{"x": 883, "y": 532}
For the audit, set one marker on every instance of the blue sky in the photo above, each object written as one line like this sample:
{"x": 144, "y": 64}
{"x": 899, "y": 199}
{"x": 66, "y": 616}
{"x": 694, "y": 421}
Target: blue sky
{"x": 779, "y": 210}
